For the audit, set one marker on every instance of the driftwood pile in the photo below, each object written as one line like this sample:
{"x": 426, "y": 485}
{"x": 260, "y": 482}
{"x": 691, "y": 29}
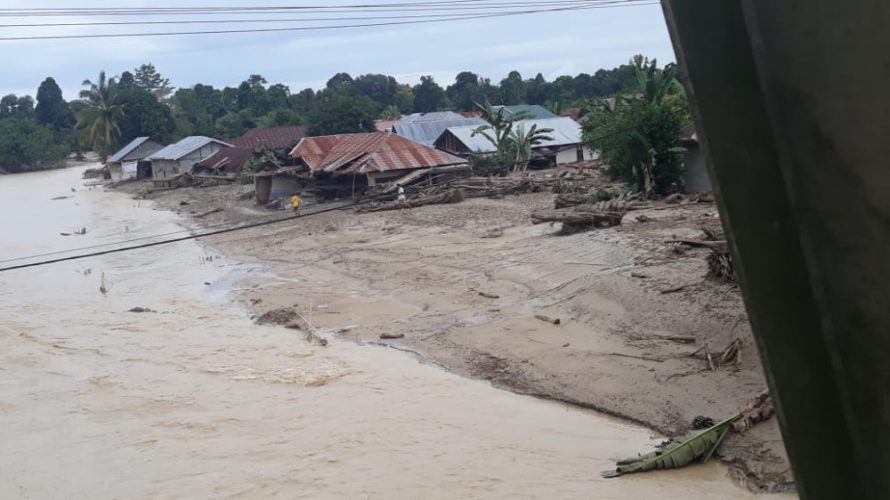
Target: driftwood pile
{"x": 719, "y": 260}
{"x": 580, "y": 218}
{"x": 441, "y": 197}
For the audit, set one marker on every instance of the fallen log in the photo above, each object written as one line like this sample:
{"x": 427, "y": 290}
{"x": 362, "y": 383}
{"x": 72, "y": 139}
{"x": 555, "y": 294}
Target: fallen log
{"x": 450, "y": 196}
{"x": 548, "y": 319}
{"x": 701, "y": 243}
{"x": 579, "y": 216}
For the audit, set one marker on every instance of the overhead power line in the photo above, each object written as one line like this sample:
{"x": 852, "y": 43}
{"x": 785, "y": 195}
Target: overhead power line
{"x": 379, "y": 7}
{"x": 424, "y": 20}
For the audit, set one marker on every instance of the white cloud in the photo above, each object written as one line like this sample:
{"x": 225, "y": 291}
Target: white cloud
{"x": 552, "y": 44}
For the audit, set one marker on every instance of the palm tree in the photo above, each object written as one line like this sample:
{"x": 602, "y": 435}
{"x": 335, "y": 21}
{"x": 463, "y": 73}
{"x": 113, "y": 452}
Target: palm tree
{"x": 499, "y": 129}
{"x": 523, "y": 142}
{"x": 97, "y": 121}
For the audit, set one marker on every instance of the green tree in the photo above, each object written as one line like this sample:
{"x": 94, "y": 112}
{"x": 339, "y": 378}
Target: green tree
{"x": 640, "y": 139}
{"x": 235, "y": 124}
{"x": 523, "y": 140}
{"x": 513, "y": 89}
{"x": 282, "y": 118}
{"x": 13, "y": 106}
{"x": 145, "y": 116}
{"x": 466, "y": 91}
{"x": 52, "y": 110}
{"x": 98, "y": 121}
{"x": 196, "y": 110}
{"x": 390, "y": 113}
{"x": 147, "y": 78}
{"x": 26, "y": 145}
{"x": 428, "y": 96}
{"x": 343, "y": 113}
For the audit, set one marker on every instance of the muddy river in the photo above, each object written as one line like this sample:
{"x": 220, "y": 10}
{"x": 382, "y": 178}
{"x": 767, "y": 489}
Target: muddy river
{"x": 195, "y": 401}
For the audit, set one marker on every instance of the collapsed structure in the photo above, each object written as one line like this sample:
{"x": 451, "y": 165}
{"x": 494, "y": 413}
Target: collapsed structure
{"x": 334, "y": 166}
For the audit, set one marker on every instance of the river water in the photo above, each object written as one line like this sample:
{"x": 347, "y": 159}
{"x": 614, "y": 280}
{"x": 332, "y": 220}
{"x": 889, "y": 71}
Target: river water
{"x": 195, "y": 401}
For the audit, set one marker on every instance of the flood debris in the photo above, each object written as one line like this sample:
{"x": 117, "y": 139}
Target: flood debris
{"x": 577, "y": 219}
{"x": 209, "y": 212}
{"x": 548, "y": 319}
{"x": 391, "y": 336}
{"x": 699, "y": 444}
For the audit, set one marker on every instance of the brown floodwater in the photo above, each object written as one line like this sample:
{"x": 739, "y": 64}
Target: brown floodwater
{"x": 195, "y": 401}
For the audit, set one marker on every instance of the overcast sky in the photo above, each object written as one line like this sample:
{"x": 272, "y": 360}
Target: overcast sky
{"x": 550, "y": 43}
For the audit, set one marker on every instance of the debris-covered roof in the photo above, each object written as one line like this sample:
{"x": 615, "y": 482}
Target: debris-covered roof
{"x": 533, "y": 111}
{"x": 184, "y": 147}
{"x": 426, "y": 128}
{"x": 373, "y": 151}
{"x": 230, "y": 160}
{"x": 130, "y": 147}
{"x": 565, "y": 132}
{"x": 271, "y": 137}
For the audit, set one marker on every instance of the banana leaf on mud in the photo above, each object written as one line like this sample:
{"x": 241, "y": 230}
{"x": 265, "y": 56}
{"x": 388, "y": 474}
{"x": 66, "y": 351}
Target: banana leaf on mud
{"x": 676, "y": 453}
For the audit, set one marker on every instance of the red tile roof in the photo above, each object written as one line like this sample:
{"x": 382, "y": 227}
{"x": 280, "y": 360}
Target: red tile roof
{"x": 230, "y": 160}
{"x": 374, "y": 151}
{"x": 271, "y": 137}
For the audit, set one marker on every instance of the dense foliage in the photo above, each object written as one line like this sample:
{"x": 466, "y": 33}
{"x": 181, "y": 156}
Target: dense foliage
{"x": 27, "y": 145}
{"x": 113, "y": 111}
{"x": 639, "y": 139}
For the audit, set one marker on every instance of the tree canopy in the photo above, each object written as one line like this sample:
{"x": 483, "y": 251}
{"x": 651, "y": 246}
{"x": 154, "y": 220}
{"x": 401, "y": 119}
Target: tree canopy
{"x": 142, "y": 102}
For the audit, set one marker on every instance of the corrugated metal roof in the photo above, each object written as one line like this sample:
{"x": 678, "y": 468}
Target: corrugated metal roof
{"x": 124, "y": 151}
{"x": 535, "y": 111}
{"x": 229, "y": 159}
{"x": 374, "y": 151}
{"x": 427, "y": 131}
{"x": 271, "y": 137}
{"x": 432, "y": 116}
{"x": 565, "y": 132}
{"x": 184, "y": 147}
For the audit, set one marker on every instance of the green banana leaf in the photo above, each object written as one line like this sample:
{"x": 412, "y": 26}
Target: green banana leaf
{"x": 696, "y": 445}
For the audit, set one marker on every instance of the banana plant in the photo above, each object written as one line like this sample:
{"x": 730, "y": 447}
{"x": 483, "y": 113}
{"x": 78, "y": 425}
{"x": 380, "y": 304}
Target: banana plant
{"x": 696, "y": 445}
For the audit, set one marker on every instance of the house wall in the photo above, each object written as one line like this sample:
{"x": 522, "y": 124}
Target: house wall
{"x": 375, "y": 178}
{"x": 695, "y": 172}
{"x": 283, "y": 186}
{"x": 568, "y": 155}
{"x": 166, "y": 169}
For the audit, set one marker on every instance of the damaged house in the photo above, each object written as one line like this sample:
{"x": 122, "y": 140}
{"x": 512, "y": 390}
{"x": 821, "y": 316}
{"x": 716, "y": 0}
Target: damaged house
{"x": 230, "y": 161}
{"x": 336, "y": 166}
{"x": 179, "y": 158}
{"x": 132, "y": 162}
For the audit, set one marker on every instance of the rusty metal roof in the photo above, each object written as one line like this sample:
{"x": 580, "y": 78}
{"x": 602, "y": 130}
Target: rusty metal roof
{"x": 271, "y": 137}
{"x": 230, "y": 160}
{"x": 374, "y": 151}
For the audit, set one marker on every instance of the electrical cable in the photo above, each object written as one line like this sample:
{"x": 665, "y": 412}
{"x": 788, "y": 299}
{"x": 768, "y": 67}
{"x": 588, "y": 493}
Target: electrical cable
{"x": 617, "y": 3}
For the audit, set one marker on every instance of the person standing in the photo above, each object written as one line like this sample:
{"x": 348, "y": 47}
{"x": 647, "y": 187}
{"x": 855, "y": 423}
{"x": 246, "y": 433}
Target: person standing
{"x": 403, "y": 201}
{"x": 295, "y": 203}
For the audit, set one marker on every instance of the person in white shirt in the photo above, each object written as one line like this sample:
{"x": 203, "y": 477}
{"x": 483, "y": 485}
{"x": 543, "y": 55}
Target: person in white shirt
{"x": 403, "y": 201}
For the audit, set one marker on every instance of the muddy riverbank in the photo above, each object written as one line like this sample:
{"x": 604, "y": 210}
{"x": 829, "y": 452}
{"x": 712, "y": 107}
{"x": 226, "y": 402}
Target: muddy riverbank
{"x": 192, "y": 399}
{"x": 465, "y": 285}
